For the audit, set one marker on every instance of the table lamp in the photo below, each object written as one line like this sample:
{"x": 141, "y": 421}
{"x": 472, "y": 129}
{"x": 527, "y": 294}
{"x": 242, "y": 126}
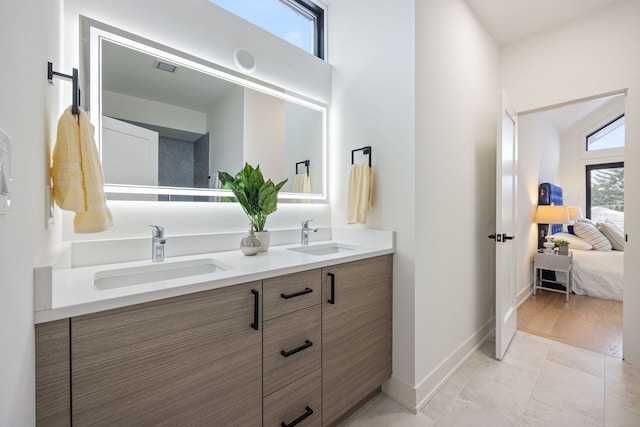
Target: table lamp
{"x": 551, "y": 215}
{"x": 575, "y": 213}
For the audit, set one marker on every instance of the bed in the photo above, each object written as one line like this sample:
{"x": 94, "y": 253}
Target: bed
{"x": 596, "y": 273}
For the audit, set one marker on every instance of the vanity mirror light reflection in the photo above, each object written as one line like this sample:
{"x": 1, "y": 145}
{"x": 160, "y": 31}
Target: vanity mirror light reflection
{"x": 167, "y": 122}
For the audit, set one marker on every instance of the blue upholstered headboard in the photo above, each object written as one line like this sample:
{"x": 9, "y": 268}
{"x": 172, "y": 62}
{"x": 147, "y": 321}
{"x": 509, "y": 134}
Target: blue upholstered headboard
{"x": 548, "y": 194}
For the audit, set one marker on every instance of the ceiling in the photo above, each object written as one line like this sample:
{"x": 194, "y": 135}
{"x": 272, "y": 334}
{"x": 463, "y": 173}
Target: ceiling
{"x": 510, "y": 20}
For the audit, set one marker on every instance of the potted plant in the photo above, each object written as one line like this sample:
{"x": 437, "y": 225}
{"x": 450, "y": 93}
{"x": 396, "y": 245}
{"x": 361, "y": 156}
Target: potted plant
{"x": 258, "y": 198}
{"x": 563, "y": 246}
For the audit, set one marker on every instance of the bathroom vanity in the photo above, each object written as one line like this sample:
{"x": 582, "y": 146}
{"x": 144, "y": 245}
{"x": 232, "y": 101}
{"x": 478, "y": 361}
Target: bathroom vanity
{"x": 301, "y": 343}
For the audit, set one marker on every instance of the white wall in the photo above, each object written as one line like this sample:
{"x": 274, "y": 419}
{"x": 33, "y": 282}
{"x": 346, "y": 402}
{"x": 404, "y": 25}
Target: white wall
{"x": 593, "y": 55}
{"x": 539, "y": 154}
{"x": 29, "y": 37}
{"x": 372, "y": 51}
{"x": 264, "y": 124}
{"x": 225, "y": 125}
{"x": 204, "y": 30}
{"x": 141, "y": 110}
{"x": 457, "y": 96}
{"x": 303, "y": 141}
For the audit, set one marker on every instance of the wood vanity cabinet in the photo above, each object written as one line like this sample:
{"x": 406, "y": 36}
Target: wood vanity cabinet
{"x": 53, "y": 388}
{"x": 356, "y": 333}
{"x": 300, "y": 349}
{"x": 194, "y": 359}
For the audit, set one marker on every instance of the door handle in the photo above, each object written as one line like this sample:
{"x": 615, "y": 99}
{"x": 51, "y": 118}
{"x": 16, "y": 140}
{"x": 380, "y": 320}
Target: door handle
{"x": 500, "y": 237}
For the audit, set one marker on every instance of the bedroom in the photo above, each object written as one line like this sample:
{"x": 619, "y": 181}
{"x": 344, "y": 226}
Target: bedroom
{"x": 553, "y": 142}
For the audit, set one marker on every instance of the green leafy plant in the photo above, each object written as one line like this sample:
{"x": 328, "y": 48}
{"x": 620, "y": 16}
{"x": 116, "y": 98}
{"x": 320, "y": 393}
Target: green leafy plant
{"x": 258, "y": 198}
{"x": 561, "y": 242}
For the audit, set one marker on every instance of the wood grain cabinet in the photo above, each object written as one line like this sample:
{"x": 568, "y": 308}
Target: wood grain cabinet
{"x": 356, "y": 333}
{"x": 292, "y": 349}
{"x": 208, "y": 358}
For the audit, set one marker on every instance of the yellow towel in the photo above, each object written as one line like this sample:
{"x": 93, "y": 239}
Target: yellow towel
{"x": 302, "y": 183}
{"x": 359, "y": 193}
{"x": 78, "y": 180}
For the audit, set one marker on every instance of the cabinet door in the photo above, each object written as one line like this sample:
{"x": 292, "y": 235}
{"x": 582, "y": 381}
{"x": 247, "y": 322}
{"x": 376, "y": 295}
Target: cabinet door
{"x": 52, "y": 374}
{"x": 188, "y": 360}
{"x": 356, "y": 333}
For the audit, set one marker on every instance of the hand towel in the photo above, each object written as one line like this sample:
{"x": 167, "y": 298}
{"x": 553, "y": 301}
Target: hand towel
{"x": 78, "y": 179}
{"x": 302, "y": 183}
{"x": 359, "y": 193}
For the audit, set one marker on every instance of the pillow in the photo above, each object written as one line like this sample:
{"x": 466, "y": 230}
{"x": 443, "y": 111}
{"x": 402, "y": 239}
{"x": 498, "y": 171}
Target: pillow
{"x": 574, "y": 241}
{"x": 587, "y": 220}
{"x": 614, "y": 233}
{"x": 590, "y": 233}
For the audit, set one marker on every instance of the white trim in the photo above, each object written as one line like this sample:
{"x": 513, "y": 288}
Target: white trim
{"x": 524, "y": 294}
{"x": 415, "y": 398}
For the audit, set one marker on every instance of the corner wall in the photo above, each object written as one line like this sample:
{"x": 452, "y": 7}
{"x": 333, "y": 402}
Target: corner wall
{"x": 372, "y": 50}
{"x": 457, "y": 95}
{"x": 29, "y": 37}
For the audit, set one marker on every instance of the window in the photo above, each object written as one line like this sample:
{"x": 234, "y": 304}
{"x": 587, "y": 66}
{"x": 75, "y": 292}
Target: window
{"x": 608, "y": 136}
{"x": 605, "y": 192}
{"x": 300, "y": 22}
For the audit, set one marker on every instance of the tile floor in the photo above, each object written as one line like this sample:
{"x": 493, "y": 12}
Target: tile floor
{"x": 539, "y": 383}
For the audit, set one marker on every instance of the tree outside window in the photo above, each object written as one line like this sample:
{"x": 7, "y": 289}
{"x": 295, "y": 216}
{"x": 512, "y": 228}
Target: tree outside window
{"x": 605, "y": 192}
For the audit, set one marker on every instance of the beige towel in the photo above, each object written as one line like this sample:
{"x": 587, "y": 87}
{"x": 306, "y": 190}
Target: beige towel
{"x": 78, "y": 180}
{"x": 302, "y": 183}
{"x": 359, "y": 193}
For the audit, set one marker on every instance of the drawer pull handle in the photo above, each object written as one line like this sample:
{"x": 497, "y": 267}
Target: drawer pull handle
{"x": 298, "y": 420}
{"x": 306, "y": 344}
{"x": 256, "y": 308}
{"x": 332, "y": 298}
{"x": 297, "y": 294}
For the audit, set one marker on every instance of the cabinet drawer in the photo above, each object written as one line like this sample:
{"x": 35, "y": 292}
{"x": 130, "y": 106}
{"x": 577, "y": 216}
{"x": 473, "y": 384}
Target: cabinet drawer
{"x": 291, "y": 347}
{"x": 300, "y": 398}
{"x": 286, "y": 294}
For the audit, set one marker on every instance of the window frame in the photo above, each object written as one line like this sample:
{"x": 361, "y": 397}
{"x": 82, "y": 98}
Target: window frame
{"x": 592, "y": 167}
{"x": 316, "y": 14}
{"x": 609, "y": 123}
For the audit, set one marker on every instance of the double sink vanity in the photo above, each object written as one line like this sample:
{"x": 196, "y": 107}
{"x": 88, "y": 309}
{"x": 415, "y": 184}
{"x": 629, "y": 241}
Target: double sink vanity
{"x": 298, "y": 335}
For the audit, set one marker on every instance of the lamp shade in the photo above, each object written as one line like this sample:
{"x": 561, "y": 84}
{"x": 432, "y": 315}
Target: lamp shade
{"x": 575, "y": 212}
{"x": 552, "y": 215}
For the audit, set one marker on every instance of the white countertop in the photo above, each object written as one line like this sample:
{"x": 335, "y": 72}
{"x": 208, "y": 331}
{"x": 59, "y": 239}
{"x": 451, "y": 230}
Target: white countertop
{"x": 62, "y": 292}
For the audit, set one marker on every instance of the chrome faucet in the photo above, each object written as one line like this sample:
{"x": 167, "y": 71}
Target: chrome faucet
{"x": 157, "y": 243}
{"x": 304, "y": 232}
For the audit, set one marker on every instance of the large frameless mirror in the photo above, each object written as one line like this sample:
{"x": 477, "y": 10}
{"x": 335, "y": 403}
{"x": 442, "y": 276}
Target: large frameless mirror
{"x": 167, "y": 122}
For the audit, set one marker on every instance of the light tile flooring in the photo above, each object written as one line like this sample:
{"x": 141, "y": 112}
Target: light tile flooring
{"x": 539, "y": 383}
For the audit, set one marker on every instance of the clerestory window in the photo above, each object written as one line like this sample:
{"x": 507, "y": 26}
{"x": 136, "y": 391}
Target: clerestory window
{"x": 300, "y": 22}
{"x": 608, "y": 136}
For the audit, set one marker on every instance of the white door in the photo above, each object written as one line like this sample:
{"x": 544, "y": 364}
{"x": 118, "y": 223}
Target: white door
{"x": 129, "y": 153}
{"x": 506, "y": 191}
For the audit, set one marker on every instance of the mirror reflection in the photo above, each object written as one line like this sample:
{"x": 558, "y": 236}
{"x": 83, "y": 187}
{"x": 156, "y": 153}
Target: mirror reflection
{"x": 168, "y": 124}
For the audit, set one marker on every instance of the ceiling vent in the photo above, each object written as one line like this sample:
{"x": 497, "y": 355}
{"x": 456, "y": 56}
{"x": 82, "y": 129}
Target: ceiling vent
{"x": 164, "y": 66}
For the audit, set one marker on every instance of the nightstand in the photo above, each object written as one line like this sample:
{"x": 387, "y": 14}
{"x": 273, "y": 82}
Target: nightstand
{"x": 558, "y": 263}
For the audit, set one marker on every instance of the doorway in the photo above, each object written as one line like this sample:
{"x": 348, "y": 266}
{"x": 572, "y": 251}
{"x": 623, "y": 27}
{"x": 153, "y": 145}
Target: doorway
{"x": 555, "y": 143}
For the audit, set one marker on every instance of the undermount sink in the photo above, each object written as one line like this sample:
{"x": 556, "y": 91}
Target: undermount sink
{"x": 323, "y": 249}
{"x": 131, "y": 276}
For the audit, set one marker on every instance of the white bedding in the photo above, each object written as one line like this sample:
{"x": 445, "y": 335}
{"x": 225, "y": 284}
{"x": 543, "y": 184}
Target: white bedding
{"x": 597, "y": 274}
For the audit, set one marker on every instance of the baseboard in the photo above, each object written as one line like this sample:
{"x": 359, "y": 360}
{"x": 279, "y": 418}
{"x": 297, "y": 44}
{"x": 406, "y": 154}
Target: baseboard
{"x": 415, "y": 398}
{"x": 401, "y": 392}
{"x": 524, "y": 294}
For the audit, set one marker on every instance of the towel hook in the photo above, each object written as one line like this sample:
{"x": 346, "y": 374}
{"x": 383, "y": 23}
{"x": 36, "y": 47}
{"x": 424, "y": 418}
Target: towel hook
{"x": 304, "y": 162}
{"x": 73, "y": 78}
{"x": 365, "y": 150}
